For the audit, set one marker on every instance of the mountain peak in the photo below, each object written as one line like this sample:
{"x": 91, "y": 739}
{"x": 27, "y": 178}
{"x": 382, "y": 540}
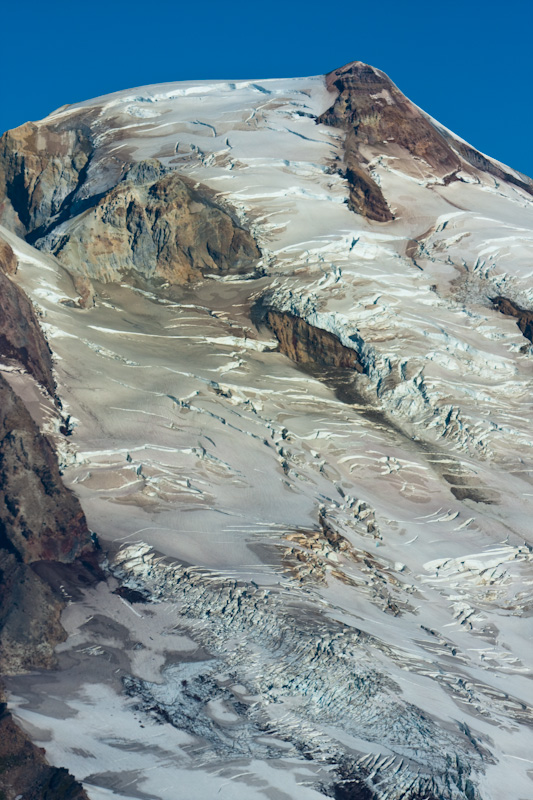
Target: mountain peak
{"x": 290, "y": 327}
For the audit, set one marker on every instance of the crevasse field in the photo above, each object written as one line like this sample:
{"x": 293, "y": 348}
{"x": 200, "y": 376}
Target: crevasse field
{"x": 335, "y": 578}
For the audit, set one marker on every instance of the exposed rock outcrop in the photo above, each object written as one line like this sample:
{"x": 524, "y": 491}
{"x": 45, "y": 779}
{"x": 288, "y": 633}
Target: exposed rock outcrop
{"x": 307, "y": 344}
{"x": 40, "y": 520}
{"x": 523, "y": 317}
{"x": 481, "y": 162}
{"x": 373, "y": 112}
{"x": 8, "y": 259}
{"x": 153, "y": 221}
{"x": 30, "y": 612}
{"x": 24, "y": 771}
{"x": 156, "y": 224}
{"x": 366, "y": 197}
{"x": 41, "y": 166}
{"x": 21, "y": 338}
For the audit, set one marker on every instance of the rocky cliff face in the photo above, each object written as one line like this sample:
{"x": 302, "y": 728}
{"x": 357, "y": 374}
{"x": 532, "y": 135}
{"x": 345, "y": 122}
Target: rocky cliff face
{"x": 40, "y": 520}
{"x": 40, "y": 169}
{"x": 307, "y": 344}
{"x": 524, "y": 318}
{"x": 24, "y": 771}
{"x": 153, "y": 221}
{"x": 373, "y": 112}
{"x": 43, "y": 521}
{"x": 8, "y": 259}
{"x": 156, "y": 224}
{"x": 21, "y": 338}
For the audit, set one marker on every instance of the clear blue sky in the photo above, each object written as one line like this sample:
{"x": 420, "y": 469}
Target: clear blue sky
{"x": 466, "y": 63}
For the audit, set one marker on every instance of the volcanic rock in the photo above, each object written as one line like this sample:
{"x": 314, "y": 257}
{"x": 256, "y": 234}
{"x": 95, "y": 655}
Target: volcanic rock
{"x": 157, "y": 225}
{"x": 40, "y": 520}
{"x": 522, "y": 315}
{"x": 24, "y": 771}
{"x": 307, "y": 344}
{"x": 40, "y": 169}
{"x": 21, "y": 338}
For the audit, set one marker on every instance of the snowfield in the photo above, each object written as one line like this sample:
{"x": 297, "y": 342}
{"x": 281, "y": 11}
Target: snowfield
{"x": 336, "y": 585}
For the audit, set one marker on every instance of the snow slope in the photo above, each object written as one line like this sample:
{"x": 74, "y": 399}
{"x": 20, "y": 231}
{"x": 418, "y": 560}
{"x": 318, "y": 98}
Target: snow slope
{"x": 340, "y": 591}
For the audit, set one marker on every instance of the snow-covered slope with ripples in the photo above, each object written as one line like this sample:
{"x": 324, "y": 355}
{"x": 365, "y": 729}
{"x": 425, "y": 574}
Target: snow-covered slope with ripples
{"x": 336, "y": 564}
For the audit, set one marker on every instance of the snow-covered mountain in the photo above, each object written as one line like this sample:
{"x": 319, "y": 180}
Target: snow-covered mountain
{"x": 291, "y": 338}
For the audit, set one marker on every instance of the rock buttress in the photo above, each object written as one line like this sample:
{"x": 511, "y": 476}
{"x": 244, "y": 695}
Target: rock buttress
{"x": 40, "y": 520}
{"x": 24, "y": 771}
{"x": 158, "y": 225}
{"x": 21, "y": 337}
{"x": 307, "y": 344}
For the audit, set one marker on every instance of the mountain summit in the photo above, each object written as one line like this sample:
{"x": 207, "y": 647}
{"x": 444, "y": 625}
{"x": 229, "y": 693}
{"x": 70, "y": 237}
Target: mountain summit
{"x": 289, "y": 383}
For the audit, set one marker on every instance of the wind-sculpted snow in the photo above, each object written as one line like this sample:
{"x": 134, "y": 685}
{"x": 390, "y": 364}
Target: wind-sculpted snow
{"x": 325, "y": 511}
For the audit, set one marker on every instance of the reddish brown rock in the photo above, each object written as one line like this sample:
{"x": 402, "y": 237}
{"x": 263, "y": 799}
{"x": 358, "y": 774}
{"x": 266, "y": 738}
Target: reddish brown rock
{"x": 21, "y": 338}
{"x": 24, "y": 771}
{"x": 372, "y": 110}
{"x": 42, "y": 519}
{"x": 307, "y": 344}
{"x": 374, "y": 113}
{"x": 522, "y": 315}
{"x": 8, "y": 259}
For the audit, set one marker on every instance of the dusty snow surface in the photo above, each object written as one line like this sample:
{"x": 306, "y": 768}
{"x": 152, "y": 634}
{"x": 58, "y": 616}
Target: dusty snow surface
{"x": 198, "y": 450}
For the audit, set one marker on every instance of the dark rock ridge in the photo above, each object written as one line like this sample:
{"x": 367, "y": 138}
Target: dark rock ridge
{"x": 40, "y": 520}
{"x": 43, "y": 519}
{"x": 484, "y": 164}
{"x": 21, "y": 338}
{"x": 307, "y": 344}
{"x": 523, "y": 317}
{"x": 158, "y": 224}
{"x": 24, "y": 771}
{"x": 41, "y": 167}
{"x": 373, "y": 112}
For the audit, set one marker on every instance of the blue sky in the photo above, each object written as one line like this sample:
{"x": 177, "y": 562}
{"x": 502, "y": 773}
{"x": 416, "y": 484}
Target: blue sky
{"x": 466, "y": 63}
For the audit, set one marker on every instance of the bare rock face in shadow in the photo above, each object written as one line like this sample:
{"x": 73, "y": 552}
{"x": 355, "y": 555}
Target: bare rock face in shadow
{"x": 24, "y": 771}
{"x": 43, "y": 519}
{"x": 40, "y": 520}
{"x": 21, "y": 338}
{"x": 524, "y": 318}
{"x": 40, "y": 169}
{"x": 307, "y": 344}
